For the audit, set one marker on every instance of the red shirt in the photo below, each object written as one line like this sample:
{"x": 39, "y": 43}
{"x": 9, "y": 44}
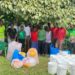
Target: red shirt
{"x": 34, "y": 36}
{"x": 54, "y": 32}
{"x": 61, "y": 34}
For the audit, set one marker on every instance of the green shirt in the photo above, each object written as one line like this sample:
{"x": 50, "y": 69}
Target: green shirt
{"x": 2, "y": 31}
{"x": 22, "y": 35}
{"x": 71, "y": 32}
{"x": 42, "y": 35}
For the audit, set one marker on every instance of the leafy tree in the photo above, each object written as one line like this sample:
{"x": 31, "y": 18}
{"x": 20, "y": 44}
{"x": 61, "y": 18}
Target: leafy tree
{"x": 36, "y": 11}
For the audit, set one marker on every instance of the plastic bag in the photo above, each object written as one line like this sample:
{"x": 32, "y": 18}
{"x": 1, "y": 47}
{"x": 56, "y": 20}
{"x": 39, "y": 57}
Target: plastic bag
{"x": 16, "y": 63}
{"x": 32, "y": 52}
{"x": 11, "y": 48}
{"x": 32, "y": 58}
{"x": 29, "y": 62}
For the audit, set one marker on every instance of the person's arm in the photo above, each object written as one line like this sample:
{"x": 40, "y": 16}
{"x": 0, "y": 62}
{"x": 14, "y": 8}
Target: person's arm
{"x": 25, "y": 34}
{"x": 16, "y": 34}
{"x": 51, "y": 36}
{"x": 65, "y": 32}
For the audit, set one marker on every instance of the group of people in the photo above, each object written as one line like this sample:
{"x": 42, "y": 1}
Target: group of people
{"x": 38, "y": 36}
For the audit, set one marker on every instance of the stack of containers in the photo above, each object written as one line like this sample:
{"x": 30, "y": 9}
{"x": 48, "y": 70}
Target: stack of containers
{"x": 61, "y": 63}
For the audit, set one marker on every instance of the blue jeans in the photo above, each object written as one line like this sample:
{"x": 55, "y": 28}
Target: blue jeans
{"x": 34, "y": 45}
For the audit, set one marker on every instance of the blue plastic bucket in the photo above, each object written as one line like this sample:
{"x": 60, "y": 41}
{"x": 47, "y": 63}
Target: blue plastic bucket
{"x": 53, "y": 50}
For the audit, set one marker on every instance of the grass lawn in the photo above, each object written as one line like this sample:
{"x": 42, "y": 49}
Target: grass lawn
{"x": 41, "y": 69}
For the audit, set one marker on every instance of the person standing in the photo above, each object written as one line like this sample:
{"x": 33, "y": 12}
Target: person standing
{"x": 41, "y": 40}
{"x": 34, "y": 38}
{"x": 54, "y": 35}
{"x": 2, "y": 33}
{"x": 48, "y": 40}
{"x": 61, "y": 34}
{"x": 71, "y": 34}
{"x": 21, "y": 37}
{"x": 28, "y": 36}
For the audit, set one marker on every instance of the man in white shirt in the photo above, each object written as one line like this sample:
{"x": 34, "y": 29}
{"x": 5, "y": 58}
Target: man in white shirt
{"x": 28, "y": 35}
{"x": 27, "y": 30}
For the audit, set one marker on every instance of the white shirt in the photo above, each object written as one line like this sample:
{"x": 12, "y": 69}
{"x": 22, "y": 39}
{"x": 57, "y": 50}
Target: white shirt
{"x": 48, "y": 37}
{"x": 27, "y": 30}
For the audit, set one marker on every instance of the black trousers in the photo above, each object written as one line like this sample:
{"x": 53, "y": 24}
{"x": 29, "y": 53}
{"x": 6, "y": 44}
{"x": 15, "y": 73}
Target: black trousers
{"x": 47, "y": 48}
{"x": 23, "y": 44}
{"x": 28, "y": 43}
{"x": 41, "y": 47}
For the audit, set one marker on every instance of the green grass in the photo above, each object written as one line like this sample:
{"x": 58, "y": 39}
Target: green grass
{"x": 41, "y": 69}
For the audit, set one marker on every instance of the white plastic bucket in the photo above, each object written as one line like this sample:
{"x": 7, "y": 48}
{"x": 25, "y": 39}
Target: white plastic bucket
{"x": 61, "y": 70}
{"x": 70, "y": 63}
{"x": 53, "y": 58}
{"x": 72, "y": 69}
{"x": 52, "y": 68}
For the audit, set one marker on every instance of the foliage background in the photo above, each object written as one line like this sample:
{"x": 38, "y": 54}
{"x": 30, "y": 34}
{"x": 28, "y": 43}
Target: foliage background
{"x": 36, "y": 11}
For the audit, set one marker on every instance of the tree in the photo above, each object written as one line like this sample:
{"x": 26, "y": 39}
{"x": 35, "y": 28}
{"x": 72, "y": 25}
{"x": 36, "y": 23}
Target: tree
{"x": 36, "y": 11}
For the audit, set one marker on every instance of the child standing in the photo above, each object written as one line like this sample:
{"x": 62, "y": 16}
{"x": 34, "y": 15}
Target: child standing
{"x": 48, "y": 40}
{"x": 41, "y": 40}
{"x": 54, "y": 31}
{"x": 2, "y": 33}
{"x": 27, "y": 30}
{"x": 71, "y": 32}
{"x": 21, "y": 36}
{"x": 34, "y": 38}
{"x": 61, "y": 37}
